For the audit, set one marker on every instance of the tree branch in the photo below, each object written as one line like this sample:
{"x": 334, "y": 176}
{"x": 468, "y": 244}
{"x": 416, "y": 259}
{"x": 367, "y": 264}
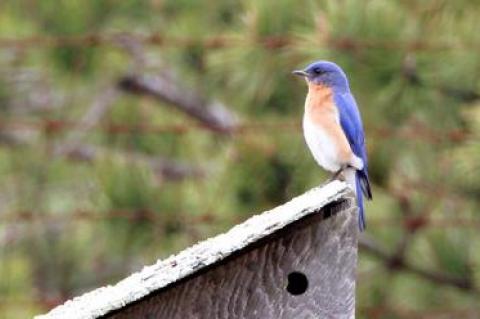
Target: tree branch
{"x": 163, "y": 168}
{"x": 100, "y": 106}
{"x": 392, "y": 261}
{"x": 166, "y": 88}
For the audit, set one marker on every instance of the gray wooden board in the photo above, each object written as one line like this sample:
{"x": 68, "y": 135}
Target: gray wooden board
{"x": 253, "y": 282}
{"x": 200, "y": 257}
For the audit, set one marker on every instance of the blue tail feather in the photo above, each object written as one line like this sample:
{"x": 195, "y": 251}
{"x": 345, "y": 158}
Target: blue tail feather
{"x": 361, "y": 213}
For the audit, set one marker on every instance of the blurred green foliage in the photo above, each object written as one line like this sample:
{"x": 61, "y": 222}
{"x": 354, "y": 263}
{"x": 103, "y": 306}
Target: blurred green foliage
{"x": 414, "y": 69}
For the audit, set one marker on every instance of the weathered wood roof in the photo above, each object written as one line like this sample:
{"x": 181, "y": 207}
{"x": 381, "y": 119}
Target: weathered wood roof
{"x": 211, "y": 251}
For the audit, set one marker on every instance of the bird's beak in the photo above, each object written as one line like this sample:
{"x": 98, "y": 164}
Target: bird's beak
{"x": 300, "y": 73}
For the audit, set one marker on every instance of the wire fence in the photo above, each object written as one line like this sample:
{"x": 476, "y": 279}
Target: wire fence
{"x": 156, "y": 218}
{"x": 219, "y": 42}
{"x": 50, "y": 127}
{"x": 56, "y": 126}
{"x": 411, "y": 221}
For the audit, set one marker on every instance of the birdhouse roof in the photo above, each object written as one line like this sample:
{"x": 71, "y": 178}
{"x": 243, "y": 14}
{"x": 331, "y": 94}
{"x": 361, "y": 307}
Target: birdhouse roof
{"x": 195, "y": 258}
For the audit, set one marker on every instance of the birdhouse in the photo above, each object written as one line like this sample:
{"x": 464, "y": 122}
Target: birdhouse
{"x": 297, "y": 260}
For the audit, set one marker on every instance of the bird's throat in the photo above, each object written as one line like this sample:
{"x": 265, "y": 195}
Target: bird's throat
{"x": 319, "y": 101}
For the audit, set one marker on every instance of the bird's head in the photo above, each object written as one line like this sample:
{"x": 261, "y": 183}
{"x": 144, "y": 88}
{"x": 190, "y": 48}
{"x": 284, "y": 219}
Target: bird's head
{"x": 324, "y": 73}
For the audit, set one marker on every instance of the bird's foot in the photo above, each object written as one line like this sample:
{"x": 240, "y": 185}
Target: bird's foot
{"x": 337, "y": 174}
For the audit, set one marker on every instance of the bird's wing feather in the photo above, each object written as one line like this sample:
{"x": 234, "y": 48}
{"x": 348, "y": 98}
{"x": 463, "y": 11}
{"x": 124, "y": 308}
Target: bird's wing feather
{"x": 351, "y": 124}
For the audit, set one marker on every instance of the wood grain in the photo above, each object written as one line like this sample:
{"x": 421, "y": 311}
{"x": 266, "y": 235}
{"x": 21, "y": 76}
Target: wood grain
{"x": 252, "y": 283}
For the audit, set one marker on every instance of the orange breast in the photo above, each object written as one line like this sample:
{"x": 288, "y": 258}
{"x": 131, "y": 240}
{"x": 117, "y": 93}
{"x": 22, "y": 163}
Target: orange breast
{"x": 322, "y": 111}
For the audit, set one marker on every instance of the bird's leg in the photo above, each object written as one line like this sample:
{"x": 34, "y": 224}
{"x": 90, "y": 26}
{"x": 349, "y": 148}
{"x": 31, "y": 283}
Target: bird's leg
{"x": 337, "y": 173}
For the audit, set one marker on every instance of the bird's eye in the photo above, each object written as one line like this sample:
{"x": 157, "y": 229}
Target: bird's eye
{"x": 317, "y": 71}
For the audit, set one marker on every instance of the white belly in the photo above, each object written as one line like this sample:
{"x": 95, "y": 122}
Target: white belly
{"x": 322, "y": 146}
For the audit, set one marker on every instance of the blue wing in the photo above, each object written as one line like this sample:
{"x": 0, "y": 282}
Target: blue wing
{"x": 351, "y": 123}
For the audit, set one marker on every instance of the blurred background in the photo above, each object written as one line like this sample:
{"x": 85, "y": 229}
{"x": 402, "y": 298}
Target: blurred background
{"x": 131, "y": 129}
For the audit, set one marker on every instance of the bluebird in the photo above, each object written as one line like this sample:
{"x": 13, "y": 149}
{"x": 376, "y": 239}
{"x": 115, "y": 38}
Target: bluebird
{"x": 333, "y": 128}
